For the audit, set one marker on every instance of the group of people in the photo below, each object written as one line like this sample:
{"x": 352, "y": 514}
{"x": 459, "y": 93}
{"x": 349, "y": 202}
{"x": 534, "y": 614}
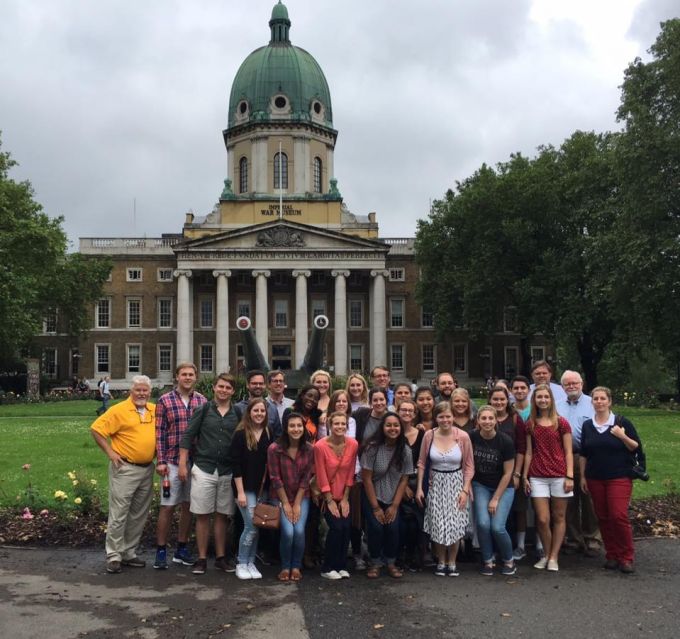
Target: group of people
{"x": 394, "y": 475}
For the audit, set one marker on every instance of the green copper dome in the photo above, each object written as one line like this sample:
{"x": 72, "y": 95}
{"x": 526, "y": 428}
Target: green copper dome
{"x": 280, "y": 82}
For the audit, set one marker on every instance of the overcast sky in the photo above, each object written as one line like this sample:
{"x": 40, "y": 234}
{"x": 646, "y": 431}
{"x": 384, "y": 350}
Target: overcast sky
{"x": 108, "y": 103}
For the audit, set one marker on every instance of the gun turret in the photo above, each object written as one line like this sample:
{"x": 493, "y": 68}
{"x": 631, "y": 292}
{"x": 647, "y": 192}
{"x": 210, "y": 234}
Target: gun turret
{"x": 254, "y": 358}
{"x": 314, "y": 356}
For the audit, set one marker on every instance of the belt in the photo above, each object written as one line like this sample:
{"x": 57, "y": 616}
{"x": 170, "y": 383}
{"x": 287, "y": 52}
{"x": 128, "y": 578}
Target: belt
{"x": 127, "y": 461}
{"x": 435, "y": 470}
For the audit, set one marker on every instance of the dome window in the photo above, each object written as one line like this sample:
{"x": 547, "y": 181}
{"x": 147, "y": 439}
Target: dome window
{"x": 242, "y": 111}
{"x": 243, "y": 107}
{"x": 280, "y": 102}
{"x": 317, "y": 107}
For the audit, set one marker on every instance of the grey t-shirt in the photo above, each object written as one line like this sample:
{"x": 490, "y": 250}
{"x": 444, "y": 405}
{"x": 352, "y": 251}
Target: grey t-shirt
{"x": 385, "y": 482}
{"x": 372, "y": 426}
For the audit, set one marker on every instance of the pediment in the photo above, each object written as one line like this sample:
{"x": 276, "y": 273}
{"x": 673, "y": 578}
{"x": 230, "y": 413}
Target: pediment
{"x": 281, "y": 235}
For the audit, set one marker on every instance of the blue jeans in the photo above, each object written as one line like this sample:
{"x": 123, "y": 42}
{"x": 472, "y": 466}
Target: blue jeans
{"x": 337, "y": 542}
{"x": 492, "y": 526}
{"x": 383, "y": 539}
{"x": 247, "y": 545}
{"x": 292, "y": 542}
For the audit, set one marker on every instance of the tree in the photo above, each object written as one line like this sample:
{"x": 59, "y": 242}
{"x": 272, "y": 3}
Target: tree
{"x": 646, "y": 238}
{"x": 37, "y": 275}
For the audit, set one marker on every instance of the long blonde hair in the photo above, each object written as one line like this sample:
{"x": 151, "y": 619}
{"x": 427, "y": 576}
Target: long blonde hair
{"x": 322, "y": 373}
{"x": 534, "y": 415}
{"x": 246, "y": 423}
{"x": 461, "y": 392}
{"x": 364, "y": 392}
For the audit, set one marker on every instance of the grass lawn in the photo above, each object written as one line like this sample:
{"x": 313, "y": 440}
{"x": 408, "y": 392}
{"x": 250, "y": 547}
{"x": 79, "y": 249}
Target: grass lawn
{"x": 54, "y": 438}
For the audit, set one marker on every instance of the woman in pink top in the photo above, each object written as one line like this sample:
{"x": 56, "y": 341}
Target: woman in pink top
{"x": 548, "y": 472}
{"x": 335, "y": 460}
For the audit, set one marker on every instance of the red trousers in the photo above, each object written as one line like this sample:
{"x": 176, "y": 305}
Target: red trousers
{"x": 611, "y": 498}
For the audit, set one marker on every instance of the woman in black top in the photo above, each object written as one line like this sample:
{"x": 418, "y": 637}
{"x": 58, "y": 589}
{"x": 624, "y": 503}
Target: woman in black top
{"x": 608, "y": 442}
{"x": 249, "y": 464}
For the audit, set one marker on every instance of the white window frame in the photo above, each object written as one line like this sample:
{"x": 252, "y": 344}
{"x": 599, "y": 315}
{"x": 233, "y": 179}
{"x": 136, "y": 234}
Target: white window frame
{"x": 51, "y": 317}
{"x": 244, "y": 303}
{"x": 97, "y": 324}
{"x": 202, "y": 300}
{"x": 506, "y": 350}
{"x": 361, "y": 357}
{"x": 536, "y": 348}
{"x": 54, "y": 365}
{"x": 350, "y": 323}
{"x": 454, "y": 367}
{"x": 160, "y": 322}
{"x": 158, "y": 357}
{"x": 393, "y": 301}
{"x": 508, "y": 313}
{"x": 397, "y": 274}
{"x": 131, "y": 274}
{"x": 423, "y": 323}
{"x": 97, "y": 370}
{"x": 321, "y": 310}
{"x": 128, "y": 348}
{"x": 281, "y": 313}
{"x": 433, "y": 367}
{"x": 161, "y": 275}
{"x": 128, "y": 301}
{"x": 200, "y": 358}
{"x": 402, "y": 368}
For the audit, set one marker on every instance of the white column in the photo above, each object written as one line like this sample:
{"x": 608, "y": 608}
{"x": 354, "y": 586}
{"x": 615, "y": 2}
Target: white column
{"x": 222, "y": 324}
{"x": 378, "y": 324}
{"x": 261, "y": 314}
{"x": 340, "y": 327}
{"x": 184, "y": 336}
{"x": 301, "y": 337}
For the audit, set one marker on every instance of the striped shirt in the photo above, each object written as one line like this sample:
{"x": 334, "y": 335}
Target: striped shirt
{"x": 172, "y": 419}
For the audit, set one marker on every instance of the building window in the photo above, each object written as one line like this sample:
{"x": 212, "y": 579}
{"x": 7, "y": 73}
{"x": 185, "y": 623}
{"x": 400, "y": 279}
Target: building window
{"x": 511, "y": 359}
{"x": 243, "y": 308}
{"x": 487, "y": 362}
{"x": 396, "y": 313}
{"x": 243, "y": 175}
{"x": 318, "y": 308}
{"x": 537, "y": 354}
{"x": 317, "y": 175}
{"x": 165, "y": 275}
{"x": 460, "y": 358}
{"x": 510, "y": 322}
{"x": 135, "y": 274}
{"x": 397, "y": 357}
{"x": 240, "y": 360}
{"x": 356, "y": 313}
{"x": 280, "y": 313}
{"x": 397, "y": 275}
{"x": 426, "y": 318}
{"x": 318, "y": 278}
{"x": 50, "y": 363}
{"x": 280, "y": 171}
{"x": 102, "y": 359}
{"x": 206, "y": 359}
{"x": 102, "y": 313}
{"x": 134, "y": 358}
{"x": 280, "y": 279}
{"x": 429, "y": 360}
{"x": 206, "y": 313}
{"x": 244, "y": 278}
{"x": 165, "y": 312}
{"x": 356, "y": 357}
{"x": 50, "y": 323}
{"x": 134, "y": 313}
{"x": 281, "y": 357}
{"x": 165, "y": 358}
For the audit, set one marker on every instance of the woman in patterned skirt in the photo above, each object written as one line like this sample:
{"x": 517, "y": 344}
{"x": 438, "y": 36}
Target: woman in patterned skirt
{"x": 445, "y": 471}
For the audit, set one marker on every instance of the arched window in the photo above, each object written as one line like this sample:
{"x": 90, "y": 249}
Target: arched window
{"x": 317, "y": 175}
{"x": 243, "y": 175}
{"x": 280, "y": 171}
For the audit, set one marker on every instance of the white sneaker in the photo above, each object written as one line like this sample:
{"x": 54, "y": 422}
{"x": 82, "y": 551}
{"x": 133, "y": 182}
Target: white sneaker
{"x": 519, "y": 553}
{"x": 541, "y": 563}
{"x": 242, "y": 572}
{"x": 553, "y": 565}
{"x": 332, "y": 574}
{"x": 344, "y": 574}
{"x": 254, "y": 572}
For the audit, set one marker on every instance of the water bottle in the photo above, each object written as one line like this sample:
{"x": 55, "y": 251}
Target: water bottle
{"x": 166, "y": 487}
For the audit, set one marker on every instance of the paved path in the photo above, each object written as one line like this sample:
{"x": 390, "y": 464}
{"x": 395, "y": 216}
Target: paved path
{"x": 66, "y": 593}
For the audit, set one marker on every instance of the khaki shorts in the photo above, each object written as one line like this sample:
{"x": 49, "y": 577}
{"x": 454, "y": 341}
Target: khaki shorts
{"x": 211, "y": 493}
{"x": 180, "y": 491}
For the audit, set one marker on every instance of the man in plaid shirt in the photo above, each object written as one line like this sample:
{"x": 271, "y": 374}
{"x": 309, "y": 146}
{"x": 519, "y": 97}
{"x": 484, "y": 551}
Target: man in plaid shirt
{"x": 173, "y": 411}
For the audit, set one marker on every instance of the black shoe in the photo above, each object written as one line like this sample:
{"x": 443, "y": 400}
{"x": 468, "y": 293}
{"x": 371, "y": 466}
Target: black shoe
{"x": 611, "y": 564}
{"x": 626, "y": 568}
{"x": 200, "y": 567}
{"x": 135, "y": 562}
{"x": 225, "y": 565}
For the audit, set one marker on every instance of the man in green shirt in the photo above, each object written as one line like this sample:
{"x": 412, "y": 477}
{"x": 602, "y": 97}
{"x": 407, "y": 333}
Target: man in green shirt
{"x": 209, "y": 436}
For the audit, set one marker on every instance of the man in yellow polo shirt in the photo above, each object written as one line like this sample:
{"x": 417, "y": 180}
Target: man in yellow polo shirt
{"x": 127, "y": 435}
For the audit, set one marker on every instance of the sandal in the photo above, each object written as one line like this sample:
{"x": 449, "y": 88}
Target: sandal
{"x": 373, "y": 572}
{"x": 394, "y": 572}
{"x": 295, "y": 575}
{"x": 284, "y": 575}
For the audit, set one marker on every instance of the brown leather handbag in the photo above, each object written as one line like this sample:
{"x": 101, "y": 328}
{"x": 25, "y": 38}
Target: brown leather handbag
{"x": 266, "y": 515}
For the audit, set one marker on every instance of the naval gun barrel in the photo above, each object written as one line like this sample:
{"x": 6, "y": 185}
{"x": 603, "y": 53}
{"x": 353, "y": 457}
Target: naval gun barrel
{"x": 255, "y": 360}
{"x": 313, "y": 360}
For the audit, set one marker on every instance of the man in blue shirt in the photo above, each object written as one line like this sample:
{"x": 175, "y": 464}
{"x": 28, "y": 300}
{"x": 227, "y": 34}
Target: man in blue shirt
{"x": 583, "y": 533}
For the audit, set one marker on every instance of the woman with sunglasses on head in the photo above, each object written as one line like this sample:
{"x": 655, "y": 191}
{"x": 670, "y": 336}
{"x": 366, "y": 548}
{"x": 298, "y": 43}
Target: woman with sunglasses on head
{"x": 290, "y": 462}
{"x": 386, "y": 463}
{"x": 413, "y": 540}
{"x": 494, "y": 457}
{"x": 548, "y": 473}
{"x": 445, "y": 471}
{"x": 425, "y": 404}
{"x": 608, "y": 443}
